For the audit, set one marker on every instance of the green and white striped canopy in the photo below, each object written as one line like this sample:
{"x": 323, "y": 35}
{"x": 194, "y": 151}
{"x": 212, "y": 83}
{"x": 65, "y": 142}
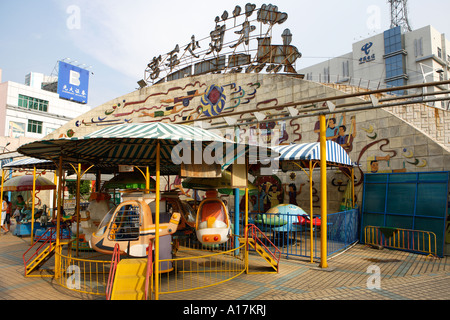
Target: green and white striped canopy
{"x": 135, "y": 144}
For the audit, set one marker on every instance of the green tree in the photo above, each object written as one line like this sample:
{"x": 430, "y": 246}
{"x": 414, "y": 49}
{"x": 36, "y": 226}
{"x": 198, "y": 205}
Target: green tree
{"x": 85, "y": 187}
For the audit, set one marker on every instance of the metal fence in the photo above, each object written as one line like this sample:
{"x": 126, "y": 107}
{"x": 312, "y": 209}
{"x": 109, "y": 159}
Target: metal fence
{"x": 293, "y": 235}
{"x": 402, "y": 239}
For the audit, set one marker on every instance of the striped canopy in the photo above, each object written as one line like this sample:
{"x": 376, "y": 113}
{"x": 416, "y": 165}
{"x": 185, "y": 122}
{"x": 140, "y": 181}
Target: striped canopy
{"x": 311, "y": 151}
{"x": 131, "y": 144}
{"x": 30, "y": 163}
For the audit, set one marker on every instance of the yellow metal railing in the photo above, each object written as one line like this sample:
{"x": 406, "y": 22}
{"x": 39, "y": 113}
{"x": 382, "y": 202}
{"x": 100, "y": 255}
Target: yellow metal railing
{"x": 83, "y": 275}
{"x": 199, "y": 269}
{"x": 402, "y": 239}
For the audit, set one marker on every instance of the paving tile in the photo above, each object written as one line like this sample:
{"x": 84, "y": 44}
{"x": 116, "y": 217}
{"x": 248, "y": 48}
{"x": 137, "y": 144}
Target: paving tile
{"x": 404, "y": 276}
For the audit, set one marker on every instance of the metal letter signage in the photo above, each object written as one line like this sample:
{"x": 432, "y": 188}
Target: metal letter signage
{"x": 271, "y": 58}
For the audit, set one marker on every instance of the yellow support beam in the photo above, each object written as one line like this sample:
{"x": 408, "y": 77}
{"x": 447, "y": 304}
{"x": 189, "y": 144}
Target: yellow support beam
{"x": 58, "y": 219}
{"x": 158, "y": 160}
{"x": 323, "y": 192}
{"x": 33, "y": 194}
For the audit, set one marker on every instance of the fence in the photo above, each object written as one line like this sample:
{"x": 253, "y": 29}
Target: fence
{"x": 409, "y": 201}
{"x": 293, "y": 235}
{"x": 86, "y": 274}
{"x": 402, "y": 239}
{"x": 196, "y": 267}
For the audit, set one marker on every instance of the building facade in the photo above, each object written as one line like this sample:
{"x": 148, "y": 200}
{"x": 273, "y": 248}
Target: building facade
{"x": 26, "y": 110}
{"x": 389, "y": 59}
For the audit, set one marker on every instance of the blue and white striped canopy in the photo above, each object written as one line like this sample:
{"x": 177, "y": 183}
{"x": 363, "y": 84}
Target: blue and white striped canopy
{"x": 29, "y": 163}
{"x": 311, "y": 151}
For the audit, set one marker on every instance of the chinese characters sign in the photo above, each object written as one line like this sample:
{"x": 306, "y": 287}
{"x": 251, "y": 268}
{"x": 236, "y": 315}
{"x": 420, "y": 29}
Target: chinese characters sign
{"x": 250, "y": 50}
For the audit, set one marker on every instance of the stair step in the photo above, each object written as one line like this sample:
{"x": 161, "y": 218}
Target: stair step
{"x": 129, "y": 282}
{"x": 45, "y": 255}
{"x": 128, "y": 295}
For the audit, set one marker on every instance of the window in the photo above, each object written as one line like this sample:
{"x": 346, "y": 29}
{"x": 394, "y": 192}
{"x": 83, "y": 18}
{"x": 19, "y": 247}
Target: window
{"x": 394, "y": 66}
{"x": 392, "y": 40}
{"x": 34, "y": 126}
{"x": 326, "y": 72}
{"x": 418, "y": 47}
{"x": 345, "y": 69}
{"x": 396, "y": 83}
{"x": 439, "y": 52}
{"x": 33, "y": 103}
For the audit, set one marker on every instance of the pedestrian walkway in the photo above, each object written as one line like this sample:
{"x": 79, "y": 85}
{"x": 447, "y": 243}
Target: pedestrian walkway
{"x": 402, "y": 276}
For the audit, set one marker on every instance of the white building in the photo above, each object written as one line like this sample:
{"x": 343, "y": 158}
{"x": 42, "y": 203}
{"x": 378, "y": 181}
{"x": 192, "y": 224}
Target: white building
{"x": 389, "y": 59}
{"x": 26, "y": 110}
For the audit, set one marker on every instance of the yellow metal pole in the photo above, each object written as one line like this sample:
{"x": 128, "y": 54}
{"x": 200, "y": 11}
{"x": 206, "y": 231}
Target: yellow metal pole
{"x": 158, "y": 159}
{"x": 55, "y": 195}
{"x": 245, "y": 229}
{"x": 78, "y": 207}
{"x": 32, "y": 205}
{"x": 147, "y": 181}
{"x": 58, "y": 220}
{"x": 1, "y": 194}
{"x": 323, "y": 192}
{"x": 311, "y": 209}
{"x": 353, "y": 188}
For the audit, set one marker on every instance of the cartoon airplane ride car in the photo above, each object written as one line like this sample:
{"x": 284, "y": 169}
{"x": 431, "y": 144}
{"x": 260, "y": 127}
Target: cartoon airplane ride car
{"x": 131, "y": 226}
{"x": 173, "y": 203}
{"x": 213, "y": 222}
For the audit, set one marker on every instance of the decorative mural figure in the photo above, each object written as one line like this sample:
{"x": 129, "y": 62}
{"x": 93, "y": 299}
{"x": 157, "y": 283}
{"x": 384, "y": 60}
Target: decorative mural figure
{"x": 337, "y": 132}
{"x": 331, "y": 130}
{"x": 374, "y": 165}
{"x": 293, "y": 193}
{"x": 273, "y": 194}
{"x": 260, "y": 200}
{"x": 344, "y": 139}
{"x": 270, "y": 192}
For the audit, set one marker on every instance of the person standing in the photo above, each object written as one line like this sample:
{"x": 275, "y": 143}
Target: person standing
{"x": 8, "y": 213}
{"x": 3, "y": 216}
{"x": 20, "y": 205}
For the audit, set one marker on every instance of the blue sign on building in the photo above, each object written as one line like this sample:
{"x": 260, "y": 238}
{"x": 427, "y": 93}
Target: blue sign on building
{"x": 368, "y": 57}
{"x": 73, "y": 82}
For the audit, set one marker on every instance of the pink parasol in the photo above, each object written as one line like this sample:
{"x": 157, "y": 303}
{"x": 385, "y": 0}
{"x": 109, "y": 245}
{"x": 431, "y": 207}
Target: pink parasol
{"x": 25, "y": 183}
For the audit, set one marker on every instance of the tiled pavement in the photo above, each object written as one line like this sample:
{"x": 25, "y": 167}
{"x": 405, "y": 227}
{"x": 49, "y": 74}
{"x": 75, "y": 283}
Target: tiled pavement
{"x": 403, "y": 276}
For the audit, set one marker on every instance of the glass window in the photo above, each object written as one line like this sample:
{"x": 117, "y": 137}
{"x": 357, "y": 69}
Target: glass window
{"x": 33, "y": 103}
{"x": 34, "y": 126}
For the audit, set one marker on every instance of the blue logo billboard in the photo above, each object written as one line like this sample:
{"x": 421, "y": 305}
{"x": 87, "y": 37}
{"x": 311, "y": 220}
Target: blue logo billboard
{"x": 73, "y": 82}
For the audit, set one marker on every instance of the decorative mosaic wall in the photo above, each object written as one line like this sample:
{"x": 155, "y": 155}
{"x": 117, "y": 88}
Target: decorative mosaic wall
{"x": 376, "y": 139}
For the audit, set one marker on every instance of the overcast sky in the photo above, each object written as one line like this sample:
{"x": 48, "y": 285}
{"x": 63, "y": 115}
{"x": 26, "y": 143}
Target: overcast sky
{"x": 119, "y": 38}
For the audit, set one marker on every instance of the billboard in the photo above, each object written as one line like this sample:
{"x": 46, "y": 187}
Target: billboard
{"x": 73, "y": 83}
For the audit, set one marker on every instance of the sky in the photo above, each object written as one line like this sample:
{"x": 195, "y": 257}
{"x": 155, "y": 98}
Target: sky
{"x": 117, "y": 39}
